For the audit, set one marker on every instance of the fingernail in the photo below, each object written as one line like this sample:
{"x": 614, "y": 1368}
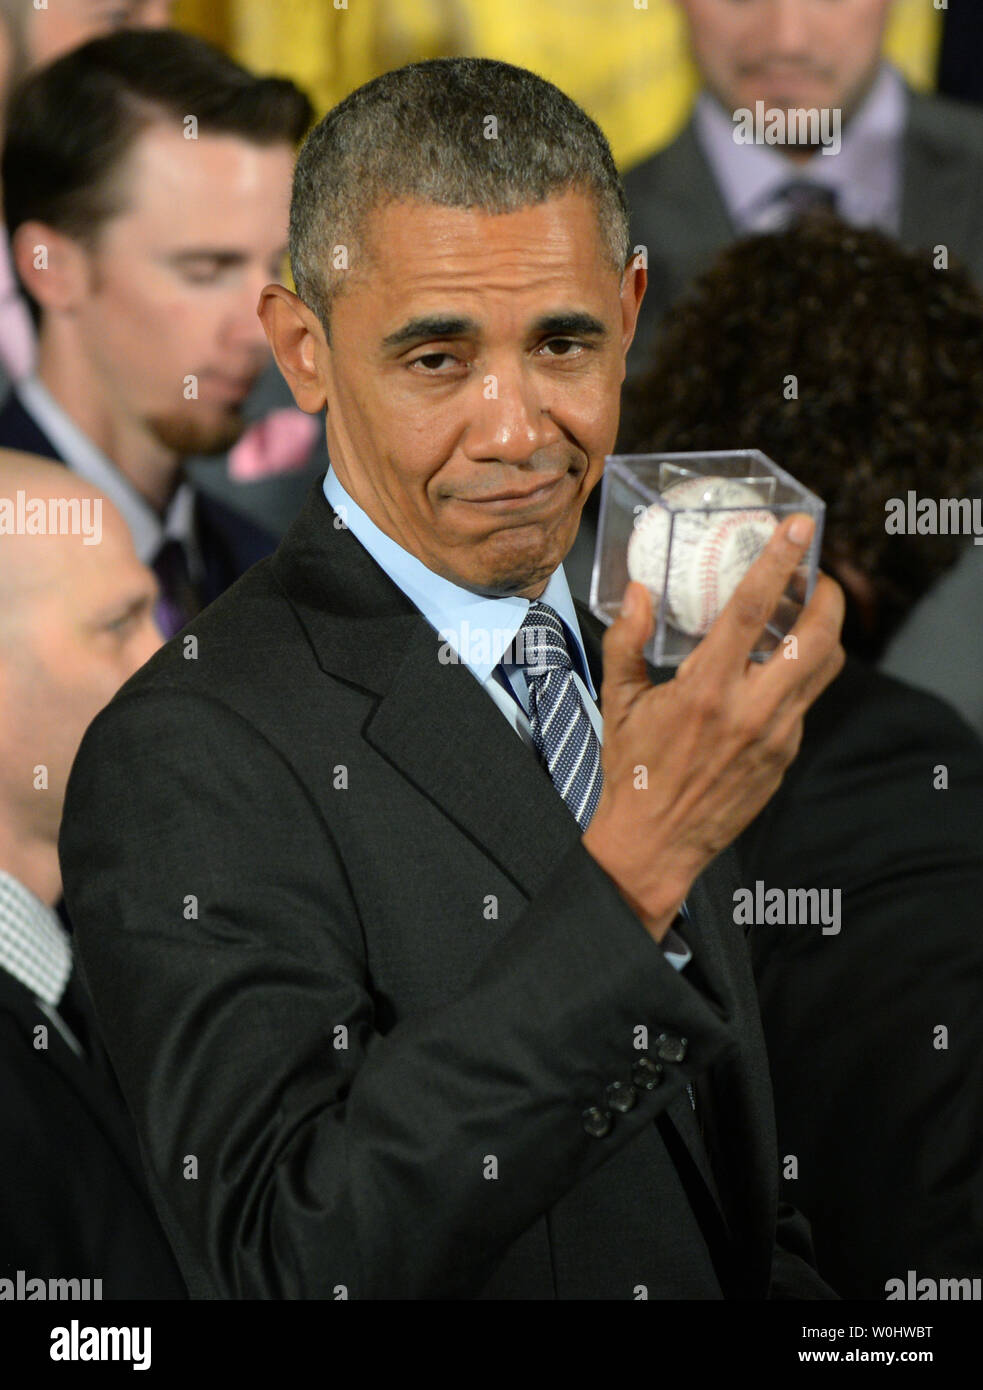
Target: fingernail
{"x": 800, "y": 530}
{"x": 628, "y": 604}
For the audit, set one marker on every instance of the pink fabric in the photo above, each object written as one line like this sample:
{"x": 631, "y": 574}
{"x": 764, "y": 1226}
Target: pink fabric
{"x": 18, "y": 347}
{"x": 279, "y": 443}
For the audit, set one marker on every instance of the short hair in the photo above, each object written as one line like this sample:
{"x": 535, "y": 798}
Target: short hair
{"x": 71, "y": 124}
{"x": 422, "y": 133}
{"x": 887, "y": 352}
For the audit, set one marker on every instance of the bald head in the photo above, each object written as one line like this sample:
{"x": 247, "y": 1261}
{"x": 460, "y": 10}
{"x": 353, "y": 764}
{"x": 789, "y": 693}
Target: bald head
{"x": 76, "y": 620}
{"x": 48, "y": 518}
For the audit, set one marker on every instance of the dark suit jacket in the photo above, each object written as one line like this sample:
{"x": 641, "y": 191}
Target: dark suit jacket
{"x": 887, "y": 1125}
{"x": 348, "y": 951}
{"x": 229, "y": 542}
{"x": 679, "y": 215}
{"x": 75, "y": 1202}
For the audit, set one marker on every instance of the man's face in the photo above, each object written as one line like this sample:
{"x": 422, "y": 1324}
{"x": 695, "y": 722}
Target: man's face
{"x": 65, "y": 24}
{"x": 81, "y": 626}
{"x": 473, "y": 383}
{"x": 787, "y": 53}
{"x": 174, "y": 283}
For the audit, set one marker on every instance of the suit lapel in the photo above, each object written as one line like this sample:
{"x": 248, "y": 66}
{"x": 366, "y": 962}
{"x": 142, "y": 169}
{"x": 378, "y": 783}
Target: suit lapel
{"x": 679, "y": 213}
{"x": 935, "y": 208}
{"x": 691, "y": 192}
{"x": 90, "y": 1077}
{"x": 433, "y": 721}
{"x": 19, "y": 431}
{"x": 441, "y": 730}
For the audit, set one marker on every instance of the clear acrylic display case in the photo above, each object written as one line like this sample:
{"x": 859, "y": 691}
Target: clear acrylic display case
{"x": 633, "y": 483}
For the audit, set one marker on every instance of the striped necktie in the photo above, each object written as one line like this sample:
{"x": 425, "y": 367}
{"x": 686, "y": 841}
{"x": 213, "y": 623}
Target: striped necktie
{"x": 562, "y": 732}
{"x": 803, "y": 199}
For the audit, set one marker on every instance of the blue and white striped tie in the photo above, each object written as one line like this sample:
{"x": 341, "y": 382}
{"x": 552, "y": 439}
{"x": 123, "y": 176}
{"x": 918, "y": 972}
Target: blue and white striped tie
{"x": 562, "y": 733}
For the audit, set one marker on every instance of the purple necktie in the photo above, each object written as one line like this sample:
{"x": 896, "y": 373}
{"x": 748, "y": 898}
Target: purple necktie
{"x": 178, "y": 602}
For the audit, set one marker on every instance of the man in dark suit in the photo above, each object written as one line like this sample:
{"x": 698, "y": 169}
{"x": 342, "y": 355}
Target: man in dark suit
{"x": 148, "y": 338}
{"x": 75, "y": 621}
{"x": 411, "y": 991}
{"x": 907, "y": 163}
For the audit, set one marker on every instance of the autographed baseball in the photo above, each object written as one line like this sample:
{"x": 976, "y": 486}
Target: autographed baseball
{"x": 711, "y": 550}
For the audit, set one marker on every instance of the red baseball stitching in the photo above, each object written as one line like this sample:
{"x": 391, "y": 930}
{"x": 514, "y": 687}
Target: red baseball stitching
{"x": 708, "y": 575}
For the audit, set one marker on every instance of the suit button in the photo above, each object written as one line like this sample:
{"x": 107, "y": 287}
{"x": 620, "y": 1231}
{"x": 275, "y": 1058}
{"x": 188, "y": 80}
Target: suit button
{"x": 670, "y": 1048}
{"x": 646, "y": 1074}
{"x": 620, "y": 1096}
{"x": 597, "y": 1122}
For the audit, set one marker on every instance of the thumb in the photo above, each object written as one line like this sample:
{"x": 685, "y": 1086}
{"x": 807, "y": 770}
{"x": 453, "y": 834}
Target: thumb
{"x": 624, "y": 642}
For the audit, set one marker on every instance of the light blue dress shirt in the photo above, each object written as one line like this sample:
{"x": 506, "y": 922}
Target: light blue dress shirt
{"x": 477, "y": 631}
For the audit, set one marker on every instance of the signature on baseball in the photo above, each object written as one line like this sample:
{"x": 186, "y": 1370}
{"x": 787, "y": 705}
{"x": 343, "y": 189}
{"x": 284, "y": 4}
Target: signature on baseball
{"x": 694, "y": 547}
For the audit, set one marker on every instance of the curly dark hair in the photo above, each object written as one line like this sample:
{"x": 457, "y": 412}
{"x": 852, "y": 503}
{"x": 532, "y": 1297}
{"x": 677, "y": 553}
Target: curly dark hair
{"x": 887, "y": 351}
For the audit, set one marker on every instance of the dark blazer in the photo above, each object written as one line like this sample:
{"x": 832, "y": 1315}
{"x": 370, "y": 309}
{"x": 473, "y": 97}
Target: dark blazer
{"x": 348, "y": 951}
{"x": 679, "y": 215}
{"x": 229, "y": 542}
{"x": 75, "y": 1202}
{"x": 886, "y": 1124}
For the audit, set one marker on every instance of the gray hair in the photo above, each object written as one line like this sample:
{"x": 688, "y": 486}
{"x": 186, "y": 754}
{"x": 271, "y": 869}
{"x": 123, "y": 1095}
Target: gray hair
{"x": 423, "y": 133}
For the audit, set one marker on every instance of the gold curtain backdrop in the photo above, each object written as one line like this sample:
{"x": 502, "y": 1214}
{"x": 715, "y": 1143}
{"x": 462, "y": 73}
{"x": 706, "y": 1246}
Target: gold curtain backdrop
{"x": 627, "y": 66}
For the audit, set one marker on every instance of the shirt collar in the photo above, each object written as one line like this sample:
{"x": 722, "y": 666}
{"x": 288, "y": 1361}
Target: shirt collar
{"x": 34, "y": 946}
{"x": 865, "y": 173}
{"x": 76, "y": 449}
{"x": 478, "y": 629}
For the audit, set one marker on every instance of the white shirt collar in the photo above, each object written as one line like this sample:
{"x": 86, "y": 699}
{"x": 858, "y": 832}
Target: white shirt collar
{"x": 86, "y": 459}
{"x": 478, "y": 629}
{"x": 34, "y": 946}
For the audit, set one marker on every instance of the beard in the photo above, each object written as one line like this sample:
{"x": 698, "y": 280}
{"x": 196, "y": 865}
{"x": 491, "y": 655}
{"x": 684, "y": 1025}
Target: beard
{"x": 187, "y": 434}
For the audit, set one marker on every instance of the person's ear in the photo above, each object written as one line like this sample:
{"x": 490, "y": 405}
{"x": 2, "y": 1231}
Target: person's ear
{"x": 633, "y": 284}
{"x": 53, "y": 267}
{"x": 296, "y": 337}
